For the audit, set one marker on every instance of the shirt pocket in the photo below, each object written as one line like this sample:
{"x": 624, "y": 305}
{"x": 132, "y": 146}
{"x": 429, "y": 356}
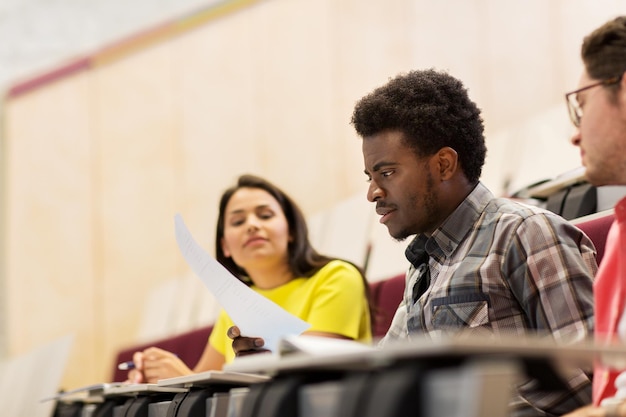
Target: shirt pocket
{"x": 462, "y": 310}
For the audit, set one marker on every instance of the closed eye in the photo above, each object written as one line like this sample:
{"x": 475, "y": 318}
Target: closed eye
{"x": 236, "y": 222}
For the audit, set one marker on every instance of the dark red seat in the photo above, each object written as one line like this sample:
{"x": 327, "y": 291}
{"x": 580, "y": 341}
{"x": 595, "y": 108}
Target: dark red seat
{"x": 597, "y": 226}
{"x": 386, "y": 296}
{"x": 188, "y": 346}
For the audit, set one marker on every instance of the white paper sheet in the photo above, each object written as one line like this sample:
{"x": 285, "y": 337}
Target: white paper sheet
{"x": 32, "y": 376}
{"x": 255, "y": 315}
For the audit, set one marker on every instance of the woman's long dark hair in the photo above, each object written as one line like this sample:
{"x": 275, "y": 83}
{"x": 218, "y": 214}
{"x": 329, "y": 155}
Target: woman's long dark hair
{"x": 304, "y": 260}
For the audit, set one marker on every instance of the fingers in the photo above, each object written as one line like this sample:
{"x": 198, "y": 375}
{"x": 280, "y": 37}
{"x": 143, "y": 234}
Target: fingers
{"x": 160, "y": 364}
{"x": 247, "y": 345}
{"x": 251, "y": 352}
{"x": 233, "y": 332}
{"x": 149, "y": 365}
{"x": 138, "y": 360}
{"x": 135, "y": 376}
{"x": 243, "y": 346}
{"x": 155, "y": 352}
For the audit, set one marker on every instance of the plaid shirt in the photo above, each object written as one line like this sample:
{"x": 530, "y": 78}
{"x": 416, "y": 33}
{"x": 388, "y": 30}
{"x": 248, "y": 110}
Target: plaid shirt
{"x": 499, "y": 267}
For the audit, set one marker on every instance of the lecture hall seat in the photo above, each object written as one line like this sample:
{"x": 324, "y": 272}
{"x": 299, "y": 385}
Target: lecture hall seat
{"x": 596, "y": 226}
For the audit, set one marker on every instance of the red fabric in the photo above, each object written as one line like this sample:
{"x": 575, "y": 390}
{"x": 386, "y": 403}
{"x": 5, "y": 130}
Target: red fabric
{"x": 385, "y": 296}
{"x": 597, "y": 229}
{"x": 610, "y": 299}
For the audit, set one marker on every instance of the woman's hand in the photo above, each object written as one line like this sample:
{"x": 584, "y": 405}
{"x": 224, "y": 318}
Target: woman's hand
{"x": 154, "y": 364}
{"x": 135, "y": 375}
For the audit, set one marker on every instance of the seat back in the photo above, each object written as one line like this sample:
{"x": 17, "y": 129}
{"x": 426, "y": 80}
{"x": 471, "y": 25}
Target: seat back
{"x": 188, "y": 346}
{"x": 597, "y": 226}
{"x": 385, "y": 295}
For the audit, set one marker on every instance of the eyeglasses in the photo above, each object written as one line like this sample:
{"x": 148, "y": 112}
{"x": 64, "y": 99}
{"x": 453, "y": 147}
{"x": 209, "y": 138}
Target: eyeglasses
{"x": 573, "y": 106}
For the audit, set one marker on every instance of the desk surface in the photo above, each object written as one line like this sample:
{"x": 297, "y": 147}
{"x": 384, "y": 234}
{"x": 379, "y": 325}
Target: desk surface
{"x": 139, "y": 389}
{"x": 579, "y": 354}
{"x": 98, "y": 392}
{"x": 212, "y": 378}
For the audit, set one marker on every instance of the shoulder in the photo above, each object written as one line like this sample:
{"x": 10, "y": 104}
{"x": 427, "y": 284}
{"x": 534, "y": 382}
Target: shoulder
{"x": 509, "y": 211}
{"x": 502, "y": 216}
{"x": 534, "y": 227}
{"x": 505, "y": 206}
{"x": 338, "y": 270}
{"x": 339, "y": 265}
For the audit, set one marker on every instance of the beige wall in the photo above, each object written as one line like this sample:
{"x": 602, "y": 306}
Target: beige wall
{"x": 98, "y": 163}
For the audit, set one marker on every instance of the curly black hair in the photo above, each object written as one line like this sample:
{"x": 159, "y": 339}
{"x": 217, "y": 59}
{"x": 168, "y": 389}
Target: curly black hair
{"x": 433, "y": 110}
{"x": 604, "y": 50}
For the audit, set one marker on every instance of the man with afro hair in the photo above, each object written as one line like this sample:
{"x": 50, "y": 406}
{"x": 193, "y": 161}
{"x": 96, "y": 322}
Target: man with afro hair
{"x": 479, "y": 265}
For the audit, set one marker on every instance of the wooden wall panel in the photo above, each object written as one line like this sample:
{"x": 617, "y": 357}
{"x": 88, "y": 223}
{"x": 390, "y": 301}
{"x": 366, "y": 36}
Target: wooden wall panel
{"x": 50, "y": 275}
{"x": 137, "y": 115}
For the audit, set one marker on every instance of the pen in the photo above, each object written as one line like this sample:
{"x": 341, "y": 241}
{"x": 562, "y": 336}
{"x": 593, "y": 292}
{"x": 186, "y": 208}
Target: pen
{"x": 126, "y": 366}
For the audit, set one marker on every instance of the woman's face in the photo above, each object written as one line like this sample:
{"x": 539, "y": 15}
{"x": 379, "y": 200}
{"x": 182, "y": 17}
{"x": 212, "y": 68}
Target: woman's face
{"x": 256, "y": 232}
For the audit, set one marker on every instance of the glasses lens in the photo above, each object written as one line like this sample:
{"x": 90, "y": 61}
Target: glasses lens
{"x": 573, "y": 109}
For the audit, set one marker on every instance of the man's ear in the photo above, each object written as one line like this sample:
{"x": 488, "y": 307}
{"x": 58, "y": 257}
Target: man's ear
{"x": 447, "y": 162}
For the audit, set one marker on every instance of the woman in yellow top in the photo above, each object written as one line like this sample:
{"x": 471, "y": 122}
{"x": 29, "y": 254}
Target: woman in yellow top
{"x": 262, "y": 238}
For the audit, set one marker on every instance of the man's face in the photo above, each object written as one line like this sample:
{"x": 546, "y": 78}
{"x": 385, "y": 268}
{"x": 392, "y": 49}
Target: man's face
{"x": 401, "y": 185}
{"x": 601, "y": 136}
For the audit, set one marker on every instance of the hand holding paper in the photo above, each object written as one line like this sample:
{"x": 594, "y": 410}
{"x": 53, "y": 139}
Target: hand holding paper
{"x": 254, "y": 314}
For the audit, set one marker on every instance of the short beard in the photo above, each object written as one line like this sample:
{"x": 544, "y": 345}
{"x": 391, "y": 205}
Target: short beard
{"x": 430, "y": 208}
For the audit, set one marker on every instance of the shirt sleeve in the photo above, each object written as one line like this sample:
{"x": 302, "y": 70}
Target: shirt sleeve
{"x": 550, "y": 268}
{"x": 338, "y": 304}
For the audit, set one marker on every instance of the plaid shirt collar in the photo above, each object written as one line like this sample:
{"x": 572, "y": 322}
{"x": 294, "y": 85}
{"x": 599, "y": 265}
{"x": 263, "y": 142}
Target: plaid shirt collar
{"x": 443, "y": 242}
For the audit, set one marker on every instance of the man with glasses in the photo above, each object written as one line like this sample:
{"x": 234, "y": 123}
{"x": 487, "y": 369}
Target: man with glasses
{"x": 574, "y": 104}
{"x": 598, "y": 110}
